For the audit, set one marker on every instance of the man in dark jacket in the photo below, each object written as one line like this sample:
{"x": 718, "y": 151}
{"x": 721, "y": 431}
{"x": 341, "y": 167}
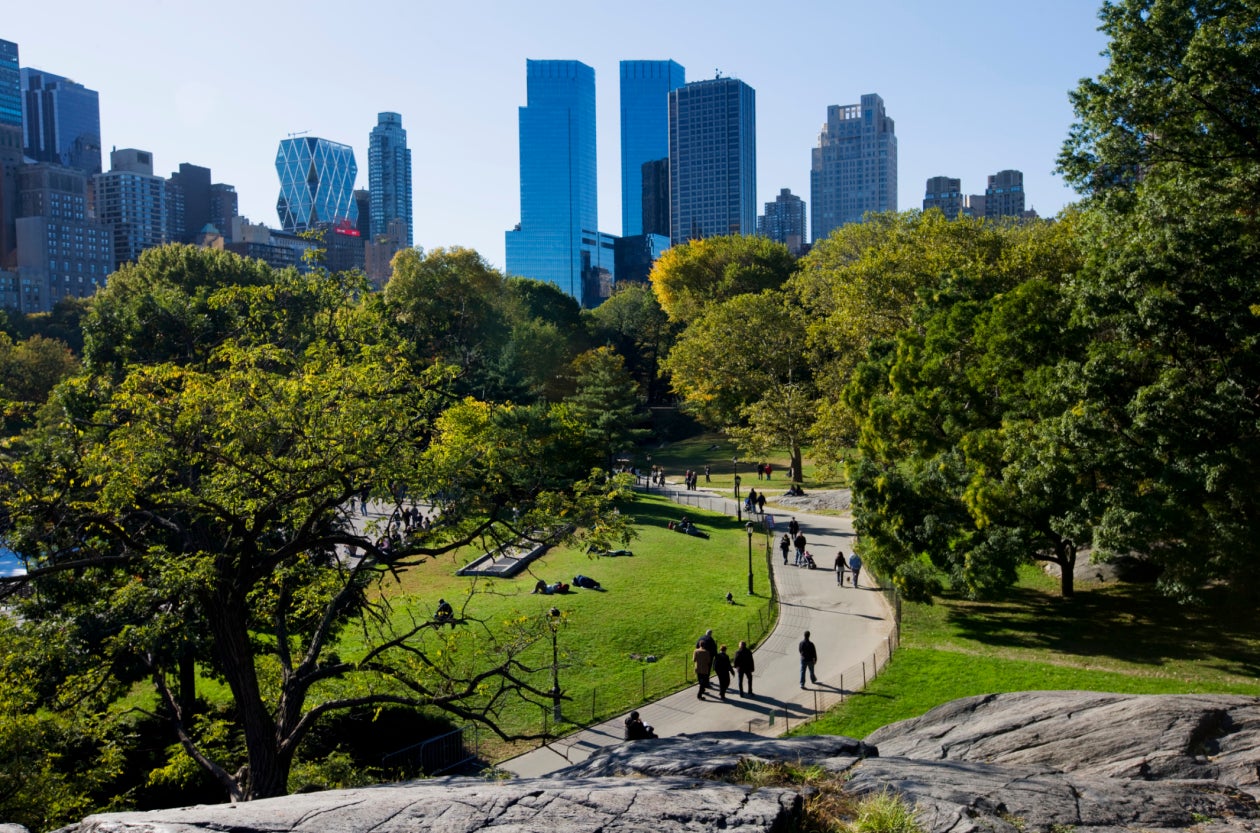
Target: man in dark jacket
{"x": 809, "y": 656}
{"x": 744, "y": 667}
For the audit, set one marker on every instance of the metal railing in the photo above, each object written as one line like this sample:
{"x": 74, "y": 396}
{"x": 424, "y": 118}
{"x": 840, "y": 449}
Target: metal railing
{"x": 437, "y": 755}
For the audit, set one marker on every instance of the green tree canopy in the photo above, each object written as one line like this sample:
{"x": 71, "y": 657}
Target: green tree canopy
{"x": 203, "y": 510}
{"x": 688, "y": 277}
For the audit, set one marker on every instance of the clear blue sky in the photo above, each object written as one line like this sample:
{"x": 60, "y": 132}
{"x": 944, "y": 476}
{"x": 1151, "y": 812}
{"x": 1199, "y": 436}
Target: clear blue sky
{"x": 974, "y": 86}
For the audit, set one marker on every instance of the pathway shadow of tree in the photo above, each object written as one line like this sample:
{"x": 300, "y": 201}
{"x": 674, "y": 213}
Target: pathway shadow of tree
{"x": 1128, "y": 622}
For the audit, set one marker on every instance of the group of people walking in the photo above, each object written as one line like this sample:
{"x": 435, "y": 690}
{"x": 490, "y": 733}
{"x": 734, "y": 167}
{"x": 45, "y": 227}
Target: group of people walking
{"x": 710, "y": 659}
{"x": 794, "y": 539}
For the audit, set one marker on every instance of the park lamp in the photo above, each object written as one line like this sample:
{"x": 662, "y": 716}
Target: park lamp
{"x": 749, "y": 528}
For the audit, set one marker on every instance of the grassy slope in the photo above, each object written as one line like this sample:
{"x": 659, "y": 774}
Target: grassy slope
{"x": 656, "y": 602}
{"x": 1111, "y": 637}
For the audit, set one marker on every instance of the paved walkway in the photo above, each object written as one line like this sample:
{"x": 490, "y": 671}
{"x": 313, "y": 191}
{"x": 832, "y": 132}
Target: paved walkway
{"x": 852, "y": 628}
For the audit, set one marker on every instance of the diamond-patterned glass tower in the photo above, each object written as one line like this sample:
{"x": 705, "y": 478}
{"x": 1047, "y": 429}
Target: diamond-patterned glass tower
{"x": 316, "y": 183}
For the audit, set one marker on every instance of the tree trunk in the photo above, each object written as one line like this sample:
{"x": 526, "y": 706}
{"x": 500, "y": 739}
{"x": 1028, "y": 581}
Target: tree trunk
{"x": 796, "y": 473}
{"x": 1065, "y": 552}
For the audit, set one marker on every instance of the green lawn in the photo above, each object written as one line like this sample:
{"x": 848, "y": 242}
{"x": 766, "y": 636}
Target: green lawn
{"x": 717, "y": 452}
{"x": 656, "y": 602}
{"x": 1111, "y": 637}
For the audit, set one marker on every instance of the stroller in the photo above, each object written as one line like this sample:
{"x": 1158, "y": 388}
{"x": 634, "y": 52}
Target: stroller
{"x": 808, "y": 561}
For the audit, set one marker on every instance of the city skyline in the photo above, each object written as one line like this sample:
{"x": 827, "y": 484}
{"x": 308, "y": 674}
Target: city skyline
{"x": 224, "y": 99}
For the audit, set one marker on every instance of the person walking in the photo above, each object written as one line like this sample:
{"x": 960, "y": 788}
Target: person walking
{"x": 840, "y": 562}
{"x": 793, "y": 527}
{"x": 706, "y": 474}
{"x": 744, "y": 664}
{"x": 809, "y": 656}
{"x": 703, "y": 662}
{"x": 761, "y": 503}
{"x": 785, "y": 544}
{"x": 800, "y": 548}
{"x": 708, "y": 643}
{"x": 855, "y": 564}
{"x": 722, "y": 668}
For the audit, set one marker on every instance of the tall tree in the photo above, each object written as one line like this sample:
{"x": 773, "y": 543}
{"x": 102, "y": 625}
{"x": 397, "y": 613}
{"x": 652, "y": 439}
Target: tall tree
{"x": 607, "y": 403}
{"x": 1167, "y": 148}
{"x": 166, "y": 508}
{"x": 633, "y": 323}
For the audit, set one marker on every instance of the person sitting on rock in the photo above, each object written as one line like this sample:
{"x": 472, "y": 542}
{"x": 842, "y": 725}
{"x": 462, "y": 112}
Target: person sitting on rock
{"x": 636, "y": 729}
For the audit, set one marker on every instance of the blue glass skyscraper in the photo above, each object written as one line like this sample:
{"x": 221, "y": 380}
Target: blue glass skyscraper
{"x": 316, "y": 183}
{"x": 712, "y": 159}
{"x": 645, "y": 89}
{"x": 10, "y": 85}
{"x": 62, "y": 121}
{"x": 389, "y": 175}
{"x": 557, "y": 239}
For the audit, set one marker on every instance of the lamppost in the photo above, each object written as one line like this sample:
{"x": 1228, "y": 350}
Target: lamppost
{"x": 554, "y": 620}
{"x": 739, "y": 509}
{"x": 651, "y": 471}
{"x": 749, "y": 528}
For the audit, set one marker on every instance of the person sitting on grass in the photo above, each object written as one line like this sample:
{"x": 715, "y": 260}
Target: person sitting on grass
{"x": 444, "y": 611}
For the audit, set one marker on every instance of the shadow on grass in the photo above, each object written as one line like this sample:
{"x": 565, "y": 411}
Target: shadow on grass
{"x": 1128, "y": 622}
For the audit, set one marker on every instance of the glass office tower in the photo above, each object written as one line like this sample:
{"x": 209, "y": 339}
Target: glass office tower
{"x": 316, "y": 183}
{"x": 645, "y": 89}
{"x": 62, "y": 121}
{"x": 712, "y": 159}
{"x": 10, "y": 85}
{"x": 557, "y": 239}
{"x": 389, "y": 175}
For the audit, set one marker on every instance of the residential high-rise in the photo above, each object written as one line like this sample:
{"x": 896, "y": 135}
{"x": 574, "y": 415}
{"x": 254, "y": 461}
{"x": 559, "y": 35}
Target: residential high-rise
{"x": 61, "y": 253}
{"x": 1004, "y": 196}
{"x": 62, "y": 121}
{"x": 389, "y": 174}
{"x": 854, "y": 167}
{"x": 131, "y": 199}
{"x": 223, "y": 207}
{"x": 784, "y": 221}
{"x": 557, "y": 239}
{"x": 316, "y": 183}
{"x": 945, "y": 193}
{"x": 712, "y": 159}
{"x": 363, "y": 203}
{"x": 645, "y": 89}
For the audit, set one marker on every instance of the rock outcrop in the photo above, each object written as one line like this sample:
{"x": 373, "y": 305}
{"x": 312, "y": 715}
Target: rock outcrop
{"x": 1012, "y": 763}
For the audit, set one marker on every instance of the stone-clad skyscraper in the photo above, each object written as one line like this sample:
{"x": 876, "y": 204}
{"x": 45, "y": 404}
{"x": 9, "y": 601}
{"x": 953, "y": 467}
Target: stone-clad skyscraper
{"x": 712, "y": 159}
{"x": 557, "y": 239}
{"x": 854, "y": 166}
{"x": 389, "y": 175}
{"x": 645, "y": 89}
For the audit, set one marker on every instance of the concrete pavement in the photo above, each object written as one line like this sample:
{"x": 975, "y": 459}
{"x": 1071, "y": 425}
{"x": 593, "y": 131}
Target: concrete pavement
{"x": 851, "y": 627}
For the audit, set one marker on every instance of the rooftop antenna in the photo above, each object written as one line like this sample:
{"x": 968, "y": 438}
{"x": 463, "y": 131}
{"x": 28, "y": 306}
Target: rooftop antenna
{"x": 718, "y": 73}
{"x": 299, "y": 133}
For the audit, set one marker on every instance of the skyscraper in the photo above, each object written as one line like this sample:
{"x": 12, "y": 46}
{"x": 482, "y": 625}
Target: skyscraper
{"x": 316, "y": 183}
{"x": 655, "y": 197}
{"x": 10, "y": 149}
{"x": 854, "y": 167}
{"x": 62, "y": 121}
{"x": 784, "y": 221}
{"x": 712, "y": 159}
{"x": 945, "y": 193}
{"x": 389, "y": 174}
{"x": 133, "y": 200}
{"x": 10, "y": 85}
{"x": 557, "y": 239}
{"x": 645, "y": 89}
{"x": 1004, "y": 196}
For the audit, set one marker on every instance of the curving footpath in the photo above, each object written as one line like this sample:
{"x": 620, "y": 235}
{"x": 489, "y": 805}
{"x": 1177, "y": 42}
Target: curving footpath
{"x": 852, "y": 628}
